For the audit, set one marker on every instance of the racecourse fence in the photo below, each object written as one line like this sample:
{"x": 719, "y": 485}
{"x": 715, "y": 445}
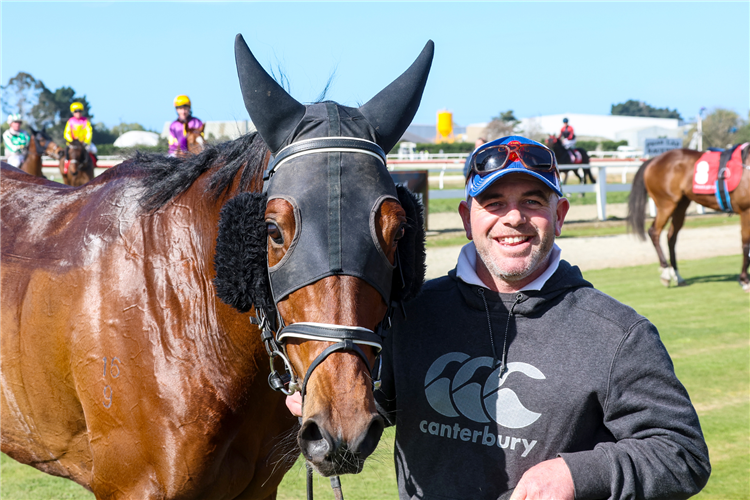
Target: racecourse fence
{"x": 447, "y": 165}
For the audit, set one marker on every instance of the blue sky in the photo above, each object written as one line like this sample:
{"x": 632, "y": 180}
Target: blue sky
{"x": 131, "y": 59}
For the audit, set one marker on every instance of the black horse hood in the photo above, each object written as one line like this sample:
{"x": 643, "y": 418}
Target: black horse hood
{"x": 281, "y": 120}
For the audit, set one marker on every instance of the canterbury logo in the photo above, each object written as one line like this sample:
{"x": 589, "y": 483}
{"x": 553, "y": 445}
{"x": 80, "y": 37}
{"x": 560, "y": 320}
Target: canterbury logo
{"x": 478, "y": 402}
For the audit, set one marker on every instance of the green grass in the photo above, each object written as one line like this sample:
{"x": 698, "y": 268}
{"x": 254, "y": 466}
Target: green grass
{"x": 705, "y": 326}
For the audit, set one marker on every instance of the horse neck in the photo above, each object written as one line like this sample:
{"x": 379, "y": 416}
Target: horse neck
{"x": 195, "y": 213}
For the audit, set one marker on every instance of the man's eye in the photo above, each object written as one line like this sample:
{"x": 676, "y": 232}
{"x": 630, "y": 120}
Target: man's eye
{"x": 274, "y": 233}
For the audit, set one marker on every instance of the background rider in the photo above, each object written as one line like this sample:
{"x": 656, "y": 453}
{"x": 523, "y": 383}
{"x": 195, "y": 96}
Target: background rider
{"x": 178, "y": 129}
{"x": 567, "y": 136}
{"x": 16, "y": 141}
{"x": 79, "y": 127}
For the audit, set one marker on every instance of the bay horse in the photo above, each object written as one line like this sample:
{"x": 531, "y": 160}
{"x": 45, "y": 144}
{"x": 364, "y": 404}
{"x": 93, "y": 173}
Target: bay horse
{"x": 668, "y": 180}
{"x": 41, "y": 144}
{"x": 563, "y": 160}
{"x": 195, "y": 140}
{"x": 139, "y": 311}
{"x": 76, "y": 166}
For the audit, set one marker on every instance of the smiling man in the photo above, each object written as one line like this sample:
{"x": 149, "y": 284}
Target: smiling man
{"x": 514, "y": 373}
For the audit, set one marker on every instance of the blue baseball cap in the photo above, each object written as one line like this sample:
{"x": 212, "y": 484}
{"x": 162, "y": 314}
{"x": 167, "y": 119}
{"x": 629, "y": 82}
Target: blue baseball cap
{"x": 476, "y": 183}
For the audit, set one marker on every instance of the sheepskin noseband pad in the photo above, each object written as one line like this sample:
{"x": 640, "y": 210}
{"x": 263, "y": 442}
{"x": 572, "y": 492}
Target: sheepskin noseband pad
{"x": 335, "y": 185}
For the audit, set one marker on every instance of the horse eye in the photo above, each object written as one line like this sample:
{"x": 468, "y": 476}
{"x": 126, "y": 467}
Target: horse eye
{"x": 400, "y": 234}
{"x": 274, "y": 233}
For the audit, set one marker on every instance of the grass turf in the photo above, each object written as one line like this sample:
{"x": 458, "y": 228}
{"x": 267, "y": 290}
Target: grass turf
{"x": 705, "y": 326}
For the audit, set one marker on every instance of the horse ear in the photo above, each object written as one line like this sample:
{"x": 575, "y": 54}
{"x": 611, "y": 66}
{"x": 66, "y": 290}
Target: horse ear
{"x": 410, "y": 249}
{"x": 393, "y": 108}
{"x": 273, "y": 112}
{"x": 242, "y": 254}
{"x": 203, "y": 126}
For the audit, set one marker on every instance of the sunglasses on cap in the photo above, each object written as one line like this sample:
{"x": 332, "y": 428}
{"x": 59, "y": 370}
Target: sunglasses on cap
{"x": 533, "y": 157}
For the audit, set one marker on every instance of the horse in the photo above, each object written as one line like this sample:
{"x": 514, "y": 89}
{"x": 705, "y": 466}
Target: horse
{"x": 145, "y": 313}
{"x": 41, "y": 144}
{"x": 563, "y": 158}
{"x": 195, "y": 140}
{"x": 76, "y": 166}
{"x": 668, "y": 180}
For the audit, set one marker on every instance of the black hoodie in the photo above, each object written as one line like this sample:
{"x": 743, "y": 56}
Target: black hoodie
{"x": 586, "y": 378}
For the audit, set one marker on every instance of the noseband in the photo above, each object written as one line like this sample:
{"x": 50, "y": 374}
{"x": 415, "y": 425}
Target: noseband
{"x": 302, "y": 273}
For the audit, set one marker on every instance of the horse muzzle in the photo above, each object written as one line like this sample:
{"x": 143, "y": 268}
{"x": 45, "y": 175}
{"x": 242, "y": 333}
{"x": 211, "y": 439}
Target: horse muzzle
{"x": 333, "y": 456}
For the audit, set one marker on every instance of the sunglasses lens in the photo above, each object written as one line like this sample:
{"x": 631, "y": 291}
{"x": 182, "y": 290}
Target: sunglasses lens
{"x": 537, "y": 158}
{"x": 490, "y": 159}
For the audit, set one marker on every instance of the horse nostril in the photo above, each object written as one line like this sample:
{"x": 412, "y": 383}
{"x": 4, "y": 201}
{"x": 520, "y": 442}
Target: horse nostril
{"x": 314, "y": 442}
{"x": 370, "y": 438}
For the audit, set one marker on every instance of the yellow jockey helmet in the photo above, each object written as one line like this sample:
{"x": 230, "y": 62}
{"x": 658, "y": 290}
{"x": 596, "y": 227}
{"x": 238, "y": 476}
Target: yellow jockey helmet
{"x": 181, "y": 100}
{"x": 76, "y": 106}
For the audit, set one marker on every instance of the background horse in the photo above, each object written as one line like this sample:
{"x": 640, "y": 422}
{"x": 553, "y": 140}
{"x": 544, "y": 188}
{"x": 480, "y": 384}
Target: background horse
{"x": 135, "y": 356}
{"x": 563, "y": 159}
{"x": 668, "y": 180}
{"x": 76, "y": 166}
{"x": 195, "y": 141}
{"x": 41, "y": 144}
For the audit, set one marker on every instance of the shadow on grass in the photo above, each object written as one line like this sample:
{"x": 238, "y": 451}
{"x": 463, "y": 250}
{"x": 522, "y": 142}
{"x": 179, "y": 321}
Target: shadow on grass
{"x": 713, "y": 278}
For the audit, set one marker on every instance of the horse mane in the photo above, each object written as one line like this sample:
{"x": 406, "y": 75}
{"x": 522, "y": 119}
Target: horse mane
{"x": 166, "y": 177}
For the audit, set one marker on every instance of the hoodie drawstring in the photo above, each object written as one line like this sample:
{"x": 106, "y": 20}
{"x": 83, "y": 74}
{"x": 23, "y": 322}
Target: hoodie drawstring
{"x": 503, "y": 360}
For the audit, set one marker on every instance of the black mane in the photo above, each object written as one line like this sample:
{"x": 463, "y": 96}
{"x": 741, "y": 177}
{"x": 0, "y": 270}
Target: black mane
{"x": 165, "y": 177}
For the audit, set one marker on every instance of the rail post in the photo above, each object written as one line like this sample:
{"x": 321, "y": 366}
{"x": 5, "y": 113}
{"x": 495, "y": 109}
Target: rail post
{"x": 601, "y": 192}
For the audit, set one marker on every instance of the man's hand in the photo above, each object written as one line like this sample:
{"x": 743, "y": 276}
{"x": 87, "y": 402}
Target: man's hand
{"x": 294, "y": 403}
{"x": 549, "y": 480}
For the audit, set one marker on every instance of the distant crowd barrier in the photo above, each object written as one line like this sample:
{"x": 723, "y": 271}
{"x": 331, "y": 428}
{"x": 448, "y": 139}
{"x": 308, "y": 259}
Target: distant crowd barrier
{"x": 453, "y": 164}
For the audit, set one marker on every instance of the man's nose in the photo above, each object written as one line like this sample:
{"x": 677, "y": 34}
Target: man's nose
{"x": 514, "y": 216}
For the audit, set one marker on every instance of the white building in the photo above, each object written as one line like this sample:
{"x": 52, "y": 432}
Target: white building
{"x": 634, "y": 129}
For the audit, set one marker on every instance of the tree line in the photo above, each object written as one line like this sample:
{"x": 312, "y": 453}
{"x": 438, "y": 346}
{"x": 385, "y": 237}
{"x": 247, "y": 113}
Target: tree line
{"x": 47, "y": 109}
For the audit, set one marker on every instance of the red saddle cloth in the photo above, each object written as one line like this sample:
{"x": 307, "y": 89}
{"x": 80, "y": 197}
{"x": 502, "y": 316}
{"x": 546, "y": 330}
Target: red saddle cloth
{"x": 707, "y": 171}
{"x": 575, "y": 156}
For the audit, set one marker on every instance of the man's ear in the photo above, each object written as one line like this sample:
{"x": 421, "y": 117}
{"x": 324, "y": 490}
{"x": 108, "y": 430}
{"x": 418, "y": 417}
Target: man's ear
{"x": 464, "y": 209}
{"x": 563, "y": 205}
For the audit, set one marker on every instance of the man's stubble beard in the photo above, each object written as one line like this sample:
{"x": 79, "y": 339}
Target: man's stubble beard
{"x": 538, "y": 257}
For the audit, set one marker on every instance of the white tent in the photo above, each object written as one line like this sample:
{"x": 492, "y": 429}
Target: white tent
{"x": 137, "y": 138}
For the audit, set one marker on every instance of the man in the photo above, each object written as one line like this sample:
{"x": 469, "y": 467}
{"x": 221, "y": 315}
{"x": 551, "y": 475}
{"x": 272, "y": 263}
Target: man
{"x": 567, "y": 136}
{"x": 179, "y": 128}
{"x": 16, "y": 141}
{"x": 513, "y": 372}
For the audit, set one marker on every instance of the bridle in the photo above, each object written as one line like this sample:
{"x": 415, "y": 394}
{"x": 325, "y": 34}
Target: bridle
{"x": 275, "y": 334}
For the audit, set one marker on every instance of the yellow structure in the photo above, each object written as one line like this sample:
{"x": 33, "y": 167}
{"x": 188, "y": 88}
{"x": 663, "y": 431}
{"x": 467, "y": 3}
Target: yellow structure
{"x": 444, "y": 127}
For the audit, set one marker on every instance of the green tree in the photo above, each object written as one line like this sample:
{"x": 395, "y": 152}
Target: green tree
{"x": 501, "y": 125}
{"x": 743, "y": 132}
{"x": 20, "y": 94}
{"x": 640, "y": 108}
{"x": 721, "y": 128}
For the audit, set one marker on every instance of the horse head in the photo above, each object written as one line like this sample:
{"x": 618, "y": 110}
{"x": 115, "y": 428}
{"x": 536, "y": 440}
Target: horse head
{"x": 50, "y": 147}
{"x": 195, "y": 141}
{"x": 74, "y": 157}
{"x": 325, "y": 252}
